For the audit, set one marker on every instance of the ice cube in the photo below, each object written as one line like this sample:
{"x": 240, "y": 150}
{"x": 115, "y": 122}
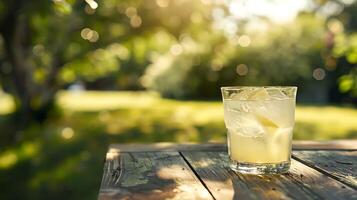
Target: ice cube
{"x": 277, "y": 94}
{"x": 241, "y": 95}
{"x": 251, "y": 93}
{"x": 241, "y": 122}
{"x": 259, "y": 94}
{"x": 275, "y": 113}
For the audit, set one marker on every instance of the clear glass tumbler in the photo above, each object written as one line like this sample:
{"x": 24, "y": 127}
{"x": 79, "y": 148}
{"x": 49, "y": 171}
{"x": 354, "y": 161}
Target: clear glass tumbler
{"x": 260, "y": 122}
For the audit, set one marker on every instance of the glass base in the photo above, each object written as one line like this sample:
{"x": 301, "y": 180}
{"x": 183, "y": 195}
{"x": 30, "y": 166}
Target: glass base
{"x": 263, "y": 168}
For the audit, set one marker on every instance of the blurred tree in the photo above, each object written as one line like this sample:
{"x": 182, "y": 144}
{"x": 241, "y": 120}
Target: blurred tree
{"x": 34, "y": 40}
{"x": 46, "y": 45}
{"x": 344, "y": 26}
{"x": 341, "y": 50}
{"x": 206, "y": 60}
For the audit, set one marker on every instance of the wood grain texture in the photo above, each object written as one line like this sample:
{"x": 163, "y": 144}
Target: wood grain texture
{"x": 302, "y": 182}
{"x": 297, "y": 145}
{"x": 153, "y": 175}
{"x": 325, "y": 145}
{"x": 341, "y": 165}
{"x": 165, "y": 146}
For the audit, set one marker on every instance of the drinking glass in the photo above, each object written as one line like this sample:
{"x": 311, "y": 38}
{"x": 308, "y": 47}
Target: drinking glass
{"x": 259, "y": 122}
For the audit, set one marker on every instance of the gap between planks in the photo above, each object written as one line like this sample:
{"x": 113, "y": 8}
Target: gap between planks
{"x": 197, "y": 175}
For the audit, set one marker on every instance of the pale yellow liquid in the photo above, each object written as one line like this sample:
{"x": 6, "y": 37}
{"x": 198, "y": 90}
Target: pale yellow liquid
{"x": 266, "y": 149}
{"x": 260, "y": 131}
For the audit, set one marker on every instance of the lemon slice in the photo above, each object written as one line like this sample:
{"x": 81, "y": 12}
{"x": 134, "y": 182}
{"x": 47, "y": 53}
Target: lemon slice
{"x": 266, "y": 122}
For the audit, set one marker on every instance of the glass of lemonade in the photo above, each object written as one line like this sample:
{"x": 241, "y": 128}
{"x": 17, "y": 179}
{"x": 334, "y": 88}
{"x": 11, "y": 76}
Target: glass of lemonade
{"x": 260, "y": 123}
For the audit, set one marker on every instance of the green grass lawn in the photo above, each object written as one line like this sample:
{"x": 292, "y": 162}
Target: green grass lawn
{"x": 194, "y": 121}
{"x": 63, "y": 158}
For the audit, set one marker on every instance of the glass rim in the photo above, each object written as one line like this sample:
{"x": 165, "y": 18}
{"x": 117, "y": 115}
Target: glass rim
{"x": 247, "y": 87}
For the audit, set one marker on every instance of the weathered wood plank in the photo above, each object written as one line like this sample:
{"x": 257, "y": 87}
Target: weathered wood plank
{"x": 325, "y": 145}
{"x": 341, "y": 165}
{"x": 302, "y": 182}
{"x": 297, "y": 145}
{"x": 164, "y": 146}
{"x": 152, "y": 175}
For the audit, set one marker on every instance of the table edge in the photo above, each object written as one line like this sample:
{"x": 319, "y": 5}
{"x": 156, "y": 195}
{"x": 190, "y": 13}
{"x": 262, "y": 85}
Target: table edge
{"x": 167, "y": 146}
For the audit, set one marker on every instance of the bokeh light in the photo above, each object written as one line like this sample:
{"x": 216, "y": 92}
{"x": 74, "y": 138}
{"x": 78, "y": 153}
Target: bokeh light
{"x": 319, "y": 74}
{"x": 85, "y": 32}
{"x": 89, "y": 34}
{"x": 335, "y": 26}
{"x": 93, "y": 4}
{"x": 135, "y": 21}
{"x": 94, "y": 37}
{"x": 38, "y": 49}
{"x": 176, "y": 49}
{"x": 244, "y": 40}
{"x": 242, "y": 69}
{"x": 130, "y": 12}
{"x": 67, "y": 133}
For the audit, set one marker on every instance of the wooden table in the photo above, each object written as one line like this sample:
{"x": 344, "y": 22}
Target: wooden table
{"x": 320, "y": 170}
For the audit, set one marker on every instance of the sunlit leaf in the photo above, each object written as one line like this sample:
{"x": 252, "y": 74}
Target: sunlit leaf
{"x": 62, "y": 7}
{"x": 352, "y": 57}
{"x": 345, "y": 83}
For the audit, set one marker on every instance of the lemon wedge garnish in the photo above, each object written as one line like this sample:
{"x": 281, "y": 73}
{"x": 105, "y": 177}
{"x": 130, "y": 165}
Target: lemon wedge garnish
{"x": 266, "y": 122}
